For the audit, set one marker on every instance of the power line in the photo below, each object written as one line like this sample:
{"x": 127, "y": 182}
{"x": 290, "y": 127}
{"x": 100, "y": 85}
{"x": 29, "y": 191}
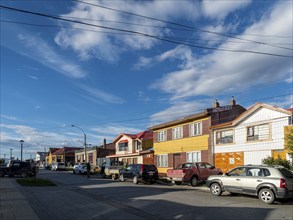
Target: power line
{"x": 119, "y": 33}
{"x": 177, "y": 24}
{"x": 146, "y": 35}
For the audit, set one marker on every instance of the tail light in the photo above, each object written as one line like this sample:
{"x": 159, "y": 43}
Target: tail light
{"x": 183, "y": 173}
{"x": 283, "y": 183}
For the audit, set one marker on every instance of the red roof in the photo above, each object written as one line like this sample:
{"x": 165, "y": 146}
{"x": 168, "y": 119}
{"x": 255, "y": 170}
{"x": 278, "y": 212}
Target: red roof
{"x": 142, "y": 135}
{"x": 68, "y": 150}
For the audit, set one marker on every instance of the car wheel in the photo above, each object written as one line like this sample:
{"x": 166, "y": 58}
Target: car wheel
{"x": 194, "y": 181}
{"x": 266, "y": 195}
{"x": 152, "y": 181}
{"x": 135, "y": 180}
{"x": 178, "y": 183}
{"x": 23, "y": 174}
{"x": 216, "y": 189}
{"x": 121, "y": 178}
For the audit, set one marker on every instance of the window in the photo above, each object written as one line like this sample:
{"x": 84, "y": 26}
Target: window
{"x": 162, "y": 160}
{"x": 162, "y": 135}
{"x": 224, "y": 137}
{"x": 239, "y": 171}
{"x": 177, "y": 132}
{"x": 138, "y": 145}
{"x": 123, "y": 146}
{"x": 258, "y": 132}
{"x": 194, "y": 156}
{"x": 195, "y": 129}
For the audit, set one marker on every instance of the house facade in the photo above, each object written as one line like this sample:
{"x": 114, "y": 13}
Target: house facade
{"x": 66, "y": 155}
{"x": 134, "y": 148}
{"x": 51, "y": 157}
{"x": 95, "y": 154}
{"x": 254, "y": 135}
{"x": 189, "y": 139}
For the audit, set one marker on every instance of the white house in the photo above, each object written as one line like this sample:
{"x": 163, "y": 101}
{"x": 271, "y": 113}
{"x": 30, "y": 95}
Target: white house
{"x": 254, "y": 135}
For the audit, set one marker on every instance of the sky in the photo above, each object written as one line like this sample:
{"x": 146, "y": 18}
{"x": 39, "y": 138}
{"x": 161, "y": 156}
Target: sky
{"x": 111, "y": 67}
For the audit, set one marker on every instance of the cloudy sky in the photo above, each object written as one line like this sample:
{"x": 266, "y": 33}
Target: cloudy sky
{"x": 121, "y": 66}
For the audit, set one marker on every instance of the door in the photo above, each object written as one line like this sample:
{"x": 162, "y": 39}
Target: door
{"x": 203, "y": 171}
{"x": 176, "y": 160}
{"x": 233, "y": 181}
{"x": 252, "y": 179}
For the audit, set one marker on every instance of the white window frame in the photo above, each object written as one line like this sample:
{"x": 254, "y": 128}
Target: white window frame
{"x": 221, "y": 138}
{"x": 162, "y": 135}
{"x": 162, "y": 160}
{"x": 195, "y": 129}
{"x": 260, "y": 132}
{"x": 177, "y": 132}
{"x": 193, "y": 156}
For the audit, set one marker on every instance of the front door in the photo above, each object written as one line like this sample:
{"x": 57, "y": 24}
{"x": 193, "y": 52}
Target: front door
{"x": 176, "y": 160}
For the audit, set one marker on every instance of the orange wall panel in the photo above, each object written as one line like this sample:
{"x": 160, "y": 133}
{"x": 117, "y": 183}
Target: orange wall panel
{"x": 227, "y": 161}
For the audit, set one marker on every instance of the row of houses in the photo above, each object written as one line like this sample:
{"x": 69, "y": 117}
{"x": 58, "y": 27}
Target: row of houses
{"x": 226, "y": 136}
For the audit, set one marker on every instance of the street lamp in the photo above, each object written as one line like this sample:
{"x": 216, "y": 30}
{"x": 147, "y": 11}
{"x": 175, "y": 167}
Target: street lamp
{"x": 11, "y": 154}
{"x": 85, "y": 159}
{"x": 21, "y": 146}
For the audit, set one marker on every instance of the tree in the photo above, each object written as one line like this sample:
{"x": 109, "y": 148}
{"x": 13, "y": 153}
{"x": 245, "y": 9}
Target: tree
{"x": 279, "y": 161}
{"x": 288, "y": 132}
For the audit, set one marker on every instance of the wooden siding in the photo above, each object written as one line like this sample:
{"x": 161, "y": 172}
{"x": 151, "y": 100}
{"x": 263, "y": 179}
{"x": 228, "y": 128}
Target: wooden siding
{"x": 227, "y": 161}
{"x": 182, "y": 145}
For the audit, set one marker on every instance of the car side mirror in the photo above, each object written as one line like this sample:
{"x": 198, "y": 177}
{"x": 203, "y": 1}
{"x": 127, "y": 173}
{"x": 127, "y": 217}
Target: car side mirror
{"x": 212, "y": 167}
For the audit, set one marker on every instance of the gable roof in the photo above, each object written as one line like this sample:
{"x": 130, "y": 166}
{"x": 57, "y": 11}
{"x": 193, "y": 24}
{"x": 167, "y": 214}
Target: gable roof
{"x": 142, "y": 135}
{"x": 250, "y": 111}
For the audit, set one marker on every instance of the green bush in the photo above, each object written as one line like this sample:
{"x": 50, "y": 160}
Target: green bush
{"x": 279, "y": 161}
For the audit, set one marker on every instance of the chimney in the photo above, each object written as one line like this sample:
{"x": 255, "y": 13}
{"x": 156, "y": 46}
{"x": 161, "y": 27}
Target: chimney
{"x": 104, "y": 143}
{"x": 216, "y": 104}
{"x": 232, "y": 101}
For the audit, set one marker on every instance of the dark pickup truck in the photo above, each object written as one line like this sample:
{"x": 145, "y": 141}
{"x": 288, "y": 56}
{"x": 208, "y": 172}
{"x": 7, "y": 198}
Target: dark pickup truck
{"x": 192, "y": 173}
{"x": 24, "y": 169}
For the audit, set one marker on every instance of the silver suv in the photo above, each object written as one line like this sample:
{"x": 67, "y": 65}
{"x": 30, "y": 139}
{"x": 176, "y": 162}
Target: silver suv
{"x": 266, "y": 182}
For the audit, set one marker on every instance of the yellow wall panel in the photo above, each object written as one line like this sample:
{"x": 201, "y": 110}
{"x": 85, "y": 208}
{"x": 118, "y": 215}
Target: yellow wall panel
{"x": 182, "y": 145}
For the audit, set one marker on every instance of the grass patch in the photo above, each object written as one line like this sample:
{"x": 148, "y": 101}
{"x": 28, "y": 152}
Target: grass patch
{"x": 35, "y": 182}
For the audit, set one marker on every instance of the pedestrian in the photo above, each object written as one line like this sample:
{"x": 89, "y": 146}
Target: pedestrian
{"x": 88, "y": 169}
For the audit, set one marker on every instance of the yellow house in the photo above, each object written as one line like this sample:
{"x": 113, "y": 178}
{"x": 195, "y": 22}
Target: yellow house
{"x": 51, "y": 157}
{"x": 284, "y": 153}
{"x": 188, "y": 139}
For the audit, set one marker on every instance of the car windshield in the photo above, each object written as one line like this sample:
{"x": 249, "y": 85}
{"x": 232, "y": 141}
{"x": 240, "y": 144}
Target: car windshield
{"x": 286, "y": 173}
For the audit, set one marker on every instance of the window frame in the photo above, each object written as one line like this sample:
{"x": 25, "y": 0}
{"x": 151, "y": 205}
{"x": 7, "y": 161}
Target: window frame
{"x": 192, "y": 129}
{"x": 162, "y": 135}
{"x": 177, "y": 132}
{"x": 255, "y": 133}
{"x": 162, "y": 160}
{"x": 219, "y": 141}
{"x": 193, "y": 159}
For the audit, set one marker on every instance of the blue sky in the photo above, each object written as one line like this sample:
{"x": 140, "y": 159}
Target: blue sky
{"x": 107, "y": 72}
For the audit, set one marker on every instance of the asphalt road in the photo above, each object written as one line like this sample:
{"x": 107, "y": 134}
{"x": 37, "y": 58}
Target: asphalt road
{"x": 146, "y": 201}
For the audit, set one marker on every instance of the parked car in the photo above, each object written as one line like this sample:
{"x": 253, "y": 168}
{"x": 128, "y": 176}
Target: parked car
{"x": 58, "y": 166}
{"x": 48, "y": 167}
{"x": 266, "y": 182}
{"x": 24, "y": 169}
{"x": 79, "y": 168}
{"x": 139, "y": 172}
{"x": 192, "y": 173}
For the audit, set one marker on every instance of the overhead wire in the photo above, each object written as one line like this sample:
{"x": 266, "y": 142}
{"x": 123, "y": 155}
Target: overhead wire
{"x": 177, "y": 24}
{"x": 119, "y": 33}
{"x": 147, "y": 35}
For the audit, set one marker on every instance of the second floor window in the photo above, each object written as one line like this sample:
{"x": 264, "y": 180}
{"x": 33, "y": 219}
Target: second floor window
{"x": 258, "y": 132}
{"x": 195, "y": 129}
{"x": 224, "y": 137}
{"x": 138, "y": 145}
{"x": 177, "y": 132}
{"x": 162, "y": 135}
{"x": 123, "y": 146}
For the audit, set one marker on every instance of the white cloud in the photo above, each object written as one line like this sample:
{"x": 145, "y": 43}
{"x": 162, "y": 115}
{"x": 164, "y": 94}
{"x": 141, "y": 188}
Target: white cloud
{"x": 109, "y": 46}
{"x": 95, "y": 94}
{"x": 42, "y": 52}
{"x": 116, "y": 129}
{"x": 9, "y": 117}
{"x": 220, "y": 9}
{"x": 283, "y": 102}
{"x": 225, "y": 72}
{"x": 179, "y": 109}
{"x": 33, "y": 77}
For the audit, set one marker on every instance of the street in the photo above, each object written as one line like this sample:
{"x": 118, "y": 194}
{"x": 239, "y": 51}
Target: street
{"x": 96, "y": 197}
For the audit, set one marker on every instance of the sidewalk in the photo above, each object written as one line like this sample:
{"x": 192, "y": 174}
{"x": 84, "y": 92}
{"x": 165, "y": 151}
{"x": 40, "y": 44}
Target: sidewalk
{"x": 13, "y": 204}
